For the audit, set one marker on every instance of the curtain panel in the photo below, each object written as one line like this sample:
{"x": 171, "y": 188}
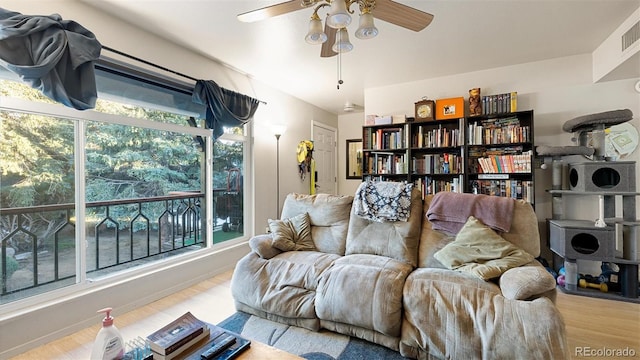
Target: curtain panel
{"x": 52, "y": 55}
{"x": 224, "y": 107}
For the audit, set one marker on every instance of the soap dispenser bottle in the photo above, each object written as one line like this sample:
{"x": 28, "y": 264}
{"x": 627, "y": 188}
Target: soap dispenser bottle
{"x": 108, "y": 344}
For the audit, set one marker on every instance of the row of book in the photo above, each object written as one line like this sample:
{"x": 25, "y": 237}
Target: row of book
{"x": 517, "y": 189}
{"x": 501, "y": 164}
{"x": 498, "y": 131}
{"x": 385, "y": 163}
{"x": 437, "y": 164}
{"x": 500, "y": 103}
{"x": 384, "y": 139}
{"x": 429, "y": 137}
{"x": 429, "y": 185}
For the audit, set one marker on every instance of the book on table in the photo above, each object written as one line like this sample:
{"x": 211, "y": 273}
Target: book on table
{"x": 178, "y": 335}
{"x": 180, "y": 352}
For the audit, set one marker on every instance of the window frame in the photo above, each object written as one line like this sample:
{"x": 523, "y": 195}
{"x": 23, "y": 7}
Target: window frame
{"x": 81, "y": 118}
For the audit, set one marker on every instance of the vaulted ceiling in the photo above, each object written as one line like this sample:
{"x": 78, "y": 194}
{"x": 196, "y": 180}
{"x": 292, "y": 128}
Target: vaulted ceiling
{"x": 465, "y": 36}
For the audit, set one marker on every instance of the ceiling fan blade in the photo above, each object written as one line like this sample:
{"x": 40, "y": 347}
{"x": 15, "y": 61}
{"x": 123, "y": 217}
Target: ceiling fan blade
{"x": 401, "y": 15}
{"x": 327, "y": 46}
{"x": 271, "y": 11}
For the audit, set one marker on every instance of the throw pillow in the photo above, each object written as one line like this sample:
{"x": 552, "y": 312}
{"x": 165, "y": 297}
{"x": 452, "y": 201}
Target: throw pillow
{"x": 526, "y": 282}
{"x": 263, "y": 246}
{"x": 292, "y": 234}
{"x": 480, "y": 251}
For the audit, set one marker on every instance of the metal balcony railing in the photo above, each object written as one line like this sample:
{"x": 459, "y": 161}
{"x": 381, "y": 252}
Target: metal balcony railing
{"x": 38, "y": 245}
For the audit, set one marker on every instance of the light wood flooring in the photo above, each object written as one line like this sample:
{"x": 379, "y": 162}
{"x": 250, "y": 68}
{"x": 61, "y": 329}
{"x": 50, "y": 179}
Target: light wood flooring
{"x": 594, "y": 323}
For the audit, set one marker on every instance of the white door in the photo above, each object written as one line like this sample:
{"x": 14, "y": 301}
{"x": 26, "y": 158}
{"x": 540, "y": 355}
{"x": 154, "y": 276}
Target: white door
{"x": 324, "y": 153}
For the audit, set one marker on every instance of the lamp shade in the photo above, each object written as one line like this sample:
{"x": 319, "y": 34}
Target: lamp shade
{"x": 342, "y": 43}
{"x": 278, "y": 129}
{"x": 338, "y": 15}
{"x": 367, "y": 29}
{"x": 316, "y": 34}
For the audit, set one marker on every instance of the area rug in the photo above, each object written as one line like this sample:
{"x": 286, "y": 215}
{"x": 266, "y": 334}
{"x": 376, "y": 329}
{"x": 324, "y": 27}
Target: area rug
{"x": 322, "y": 345}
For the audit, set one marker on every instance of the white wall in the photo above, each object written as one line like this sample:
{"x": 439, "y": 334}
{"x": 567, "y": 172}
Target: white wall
{"x": 557, "y": 90}
{"x": 350, "y": 127}
{"x": 297, "y": 116}
{"x": 26, "y": 329}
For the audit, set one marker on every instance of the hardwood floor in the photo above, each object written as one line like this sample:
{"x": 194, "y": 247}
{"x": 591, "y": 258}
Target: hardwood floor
{"x": 600, "y": 325}
{"x": 209, "y": 301}
{"x": 593, "y": 325}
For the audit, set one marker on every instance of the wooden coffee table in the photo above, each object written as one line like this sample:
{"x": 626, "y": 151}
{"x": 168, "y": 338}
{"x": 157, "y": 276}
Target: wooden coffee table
{"x": 260, "y": 351}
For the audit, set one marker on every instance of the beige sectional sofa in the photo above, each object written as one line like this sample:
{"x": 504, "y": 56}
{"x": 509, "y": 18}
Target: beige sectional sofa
{"x": 381, "y": 281}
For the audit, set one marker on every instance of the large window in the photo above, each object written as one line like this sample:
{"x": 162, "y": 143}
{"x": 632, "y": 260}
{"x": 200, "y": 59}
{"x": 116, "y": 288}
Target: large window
{"x": 136, "y": 167}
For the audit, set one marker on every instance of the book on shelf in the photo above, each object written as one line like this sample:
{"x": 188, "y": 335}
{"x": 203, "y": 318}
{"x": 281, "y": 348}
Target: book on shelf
{"x": 500, "y": 103}
{"x": 384, "y": 139}
{"x": 444, "y": 163}
{"x": 508, "y": 163}
{"x": 430, "y": 186}
{"x": 436, "y": 137}
{"x": 498, "y": 131}
{"x": 178, "y": 335}
{"x": 516, "y": 189}
{"x": 385, "y": 163}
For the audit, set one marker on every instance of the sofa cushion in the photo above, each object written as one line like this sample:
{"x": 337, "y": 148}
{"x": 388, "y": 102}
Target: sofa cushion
{"x": 526, "y": 282}
{"x": 431, "y": 241}
{"x": 460, "y": 306}
{"x": 364, "y": 291}
{"x": 480, "y": 251}
{"x": 397, "y": 240}
{"x": 328, "y": 215}
{"x": 523, "y": 233}
{"x": 292, "y": 234}
{"x": 284, "y": 285}
{"x": 524, "y": 228}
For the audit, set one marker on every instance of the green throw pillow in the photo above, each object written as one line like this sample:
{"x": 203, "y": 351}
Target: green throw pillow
{"x": 480, "y": 251}
{"x": 292, "y": 234}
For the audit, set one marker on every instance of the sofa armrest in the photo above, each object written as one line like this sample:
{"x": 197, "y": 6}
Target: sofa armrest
{"x": 263, "y": 246}
{"x": 526, "y": 282}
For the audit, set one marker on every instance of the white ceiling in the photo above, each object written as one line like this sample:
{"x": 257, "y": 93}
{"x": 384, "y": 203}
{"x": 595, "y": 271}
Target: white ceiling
{"x": 465, "y": 36}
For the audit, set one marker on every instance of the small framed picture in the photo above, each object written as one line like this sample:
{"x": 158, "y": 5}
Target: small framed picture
{"x": 354, "y": 158}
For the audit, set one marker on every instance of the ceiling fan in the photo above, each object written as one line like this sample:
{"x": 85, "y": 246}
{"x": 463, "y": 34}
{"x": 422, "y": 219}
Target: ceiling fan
{"x": 334, "y": 38}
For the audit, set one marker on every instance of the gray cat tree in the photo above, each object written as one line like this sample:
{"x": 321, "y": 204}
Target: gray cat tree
{"x": 607, "y": 181}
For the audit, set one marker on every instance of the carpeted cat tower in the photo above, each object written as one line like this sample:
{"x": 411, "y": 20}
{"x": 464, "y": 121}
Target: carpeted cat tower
{"x": 606, "y": 179}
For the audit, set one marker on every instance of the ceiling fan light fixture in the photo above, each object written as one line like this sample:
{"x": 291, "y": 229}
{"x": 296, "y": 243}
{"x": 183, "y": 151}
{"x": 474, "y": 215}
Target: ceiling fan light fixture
{"x": 366, "y": 30}
{"x": 338, "y": 15}
{"x": 316, "y": 34}
{"x": 349, "y": 106}
{"x": 342, "y": 44}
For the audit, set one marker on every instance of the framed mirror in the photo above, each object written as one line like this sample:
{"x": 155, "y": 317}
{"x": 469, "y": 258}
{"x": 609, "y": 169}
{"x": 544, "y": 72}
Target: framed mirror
{"x": 354, "y": 158}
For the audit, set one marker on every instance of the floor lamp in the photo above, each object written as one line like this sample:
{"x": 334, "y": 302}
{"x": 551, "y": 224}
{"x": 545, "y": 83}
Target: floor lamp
{"x": 278, "y": 130}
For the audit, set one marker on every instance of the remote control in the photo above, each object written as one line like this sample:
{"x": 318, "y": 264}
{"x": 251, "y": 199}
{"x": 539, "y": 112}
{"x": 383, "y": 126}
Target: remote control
{"x": 218, "y": 347}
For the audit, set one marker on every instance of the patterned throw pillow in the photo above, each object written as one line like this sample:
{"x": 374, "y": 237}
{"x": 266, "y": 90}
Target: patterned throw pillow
{"x": 292, "y": 234}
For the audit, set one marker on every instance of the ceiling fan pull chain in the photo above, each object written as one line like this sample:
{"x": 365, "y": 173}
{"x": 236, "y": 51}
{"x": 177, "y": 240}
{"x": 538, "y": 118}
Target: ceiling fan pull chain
{"x": 340, "y": 82}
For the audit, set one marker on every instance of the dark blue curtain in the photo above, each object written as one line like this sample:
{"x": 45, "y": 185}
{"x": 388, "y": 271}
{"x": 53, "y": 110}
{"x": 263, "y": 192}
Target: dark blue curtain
{"x": 52, "y": 55}
{"x": 224, "y": 107}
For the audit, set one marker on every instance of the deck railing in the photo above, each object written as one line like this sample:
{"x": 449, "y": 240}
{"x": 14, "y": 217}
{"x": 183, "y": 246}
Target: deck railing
{"x": 38, "y": 246}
